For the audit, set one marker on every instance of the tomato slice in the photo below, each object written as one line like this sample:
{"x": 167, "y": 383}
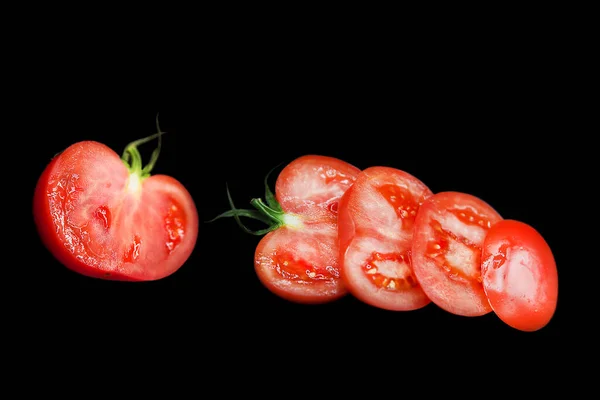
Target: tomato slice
{"x": 376, "y": 217}
{"x": 519, "y": 274}
{"x": 299, "y": 260}
{"x": 448, "y": 234}
{"x": 300, "y": 264}
{"x": 102, "y": 221}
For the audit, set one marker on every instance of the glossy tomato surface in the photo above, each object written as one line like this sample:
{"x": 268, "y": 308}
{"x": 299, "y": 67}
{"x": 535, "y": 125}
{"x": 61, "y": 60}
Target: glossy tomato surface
{"x": 449, "y": 232}
{"x": 299, "y": 260}
{"x": 376, "y": 219}
{"x": 519, "y": 275}
{"x": 101, "y": 221}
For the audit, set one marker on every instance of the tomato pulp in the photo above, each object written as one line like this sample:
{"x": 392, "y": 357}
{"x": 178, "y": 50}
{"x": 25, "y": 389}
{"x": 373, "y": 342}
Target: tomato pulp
{"x": 103, "y": 220}
{"x": 376, "y": 218}
{"x": 519, "y": 274}
{"x": 449, "y": 232}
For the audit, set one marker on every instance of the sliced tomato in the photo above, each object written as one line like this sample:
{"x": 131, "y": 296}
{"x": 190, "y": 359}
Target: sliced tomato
{"x": 297, "y": 259}
{"x": 376, "y": 218}
{"x": 449, "y": 232}
{"x": 519, "y": 274}
{"x": 300, "y": 263}
{"x": 102, "y": 220}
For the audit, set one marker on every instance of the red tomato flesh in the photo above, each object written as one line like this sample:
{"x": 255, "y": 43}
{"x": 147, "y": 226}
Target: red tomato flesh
{"x": 101, "y": 221}
{"x": 449, "y": 231}
{"x": 376, "y": 217}
{"x": 299, "y": 260}
{"x": 519, "y": 275}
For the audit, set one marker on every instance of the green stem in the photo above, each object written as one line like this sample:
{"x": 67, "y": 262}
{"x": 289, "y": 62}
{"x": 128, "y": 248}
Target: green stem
{"x": 133, "y": 159}
{"x": 271, "y": 214}
{"x": 269, "y": 196}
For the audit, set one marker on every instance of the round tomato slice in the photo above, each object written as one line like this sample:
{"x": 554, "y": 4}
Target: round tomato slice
{"x": 297, "y": 259}
{"x": 102, "y": 220}
{"x": 376, "y": 218}
{"x": 519, "y": 275}
{"x": 446, "y": 251}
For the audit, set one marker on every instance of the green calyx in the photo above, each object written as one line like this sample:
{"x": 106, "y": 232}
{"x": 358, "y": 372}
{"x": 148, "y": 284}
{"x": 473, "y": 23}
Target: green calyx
{"x": 269, "y": 213}
{"x": 132, "y": 158}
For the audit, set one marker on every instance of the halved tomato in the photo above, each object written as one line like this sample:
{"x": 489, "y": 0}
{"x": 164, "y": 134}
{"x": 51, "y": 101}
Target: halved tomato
{"x": 104, "y": 220}
{"x": 446, "y": 251}
{"x": 375, "y": 224}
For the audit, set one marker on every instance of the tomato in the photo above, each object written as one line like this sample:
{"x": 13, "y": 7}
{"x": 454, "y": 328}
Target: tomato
{"x": 376, "y": 218}
{"x": 448, "y": 234}
{"x": 519, "y": 275}
{"x": 105, "y": 218}
{"x": 297, "y": 259}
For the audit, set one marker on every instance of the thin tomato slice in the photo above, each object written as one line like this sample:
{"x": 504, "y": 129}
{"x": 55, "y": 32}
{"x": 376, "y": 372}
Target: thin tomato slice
{"x": 519, "y": 274}
{"x": 375, "y": 223}
{"x": 446, "y": 251}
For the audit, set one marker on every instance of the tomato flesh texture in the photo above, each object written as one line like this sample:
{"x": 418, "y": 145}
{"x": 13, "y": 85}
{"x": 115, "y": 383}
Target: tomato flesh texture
{"x": 301, "y": 265}
{"x": 448, "y": 234}
{"x": 376, "y": 217}
{"x": 299, "y": 262}
{"x": 519, "y": 275}
{"x": 312, "y": 186}
{"x": 101, "y": 221}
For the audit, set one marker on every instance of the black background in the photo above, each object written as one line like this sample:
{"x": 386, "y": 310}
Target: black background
{"x": 458, "y": 120}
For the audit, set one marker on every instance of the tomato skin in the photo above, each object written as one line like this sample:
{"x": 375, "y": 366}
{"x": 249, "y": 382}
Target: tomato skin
{"x": 346, "y": 225}
{"x": 300, "y": 263}
{"x": 43, "y": 222}
{"x": 446, "y": 251}
{"x": 375, "y": 233}
{"x": 520, "y": 277}
{"x": 102, "y": 226}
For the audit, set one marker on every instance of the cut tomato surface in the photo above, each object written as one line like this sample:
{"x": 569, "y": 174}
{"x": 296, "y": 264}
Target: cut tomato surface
{"x": 297, "y": 258}
{"x": 102, "y": 220}
{"x": 376, "y": 220}
{"x": 519, "y": 274}
{"x": 448, "y": 235}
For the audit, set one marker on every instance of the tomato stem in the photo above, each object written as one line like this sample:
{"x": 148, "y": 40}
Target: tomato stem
{"x": 263, "y": 213}
{"x": 133, "y": 159}
{"x": 269, "y": 196}
{"x": 274, "y": 215}
{"x": 270, "y": 213}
